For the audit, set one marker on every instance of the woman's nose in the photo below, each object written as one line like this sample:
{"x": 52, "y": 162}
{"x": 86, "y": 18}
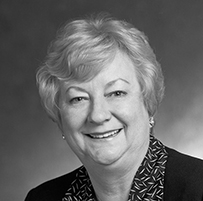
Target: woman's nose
{"x": 99, "y": 113}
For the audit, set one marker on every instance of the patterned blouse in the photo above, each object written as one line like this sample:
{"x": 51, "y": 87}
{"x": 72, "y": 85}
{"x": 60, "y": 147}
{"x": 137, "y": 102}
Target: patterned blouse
{"x": 147, "y": 185}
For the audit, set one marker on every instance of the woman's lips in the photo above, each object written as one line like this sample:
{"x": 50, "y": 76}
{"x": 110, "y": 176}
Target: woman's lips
{"x": 104, "y": 135}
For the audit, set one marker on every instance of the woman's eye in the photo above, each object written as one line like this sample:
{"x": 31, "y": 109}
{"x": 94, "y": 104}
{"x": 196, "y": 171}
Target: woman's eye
{"x": 117, "y": 94}
{"x": 77, "y": 100}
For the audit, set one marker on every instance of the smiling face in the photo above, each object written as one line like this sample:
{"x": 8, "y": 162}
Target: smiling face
{"x": 104, "y": 120}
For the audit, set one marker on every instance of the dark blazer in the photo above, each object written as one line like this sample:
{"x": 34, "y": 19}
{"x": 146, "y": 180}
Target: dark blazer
{"x": 183, "y": 181}
{"x": 183, "y": 178}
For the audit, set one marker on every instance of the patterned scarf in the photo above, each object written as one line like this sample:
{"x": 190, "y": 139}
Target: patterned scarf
{"x": 148, "y": 183}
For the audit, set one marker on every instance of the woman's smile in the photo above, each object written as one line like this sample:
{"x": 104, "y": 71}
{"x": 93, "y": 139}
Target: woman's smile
{"x": 104, "y": 135}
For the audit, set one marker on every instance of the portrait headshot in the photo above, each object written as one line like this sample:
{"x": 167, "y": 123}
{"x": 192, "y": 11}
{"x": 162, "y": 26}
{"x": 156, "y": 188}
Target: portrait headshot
{"x": 102, "y": 85}
{"x": 104, "y": 101}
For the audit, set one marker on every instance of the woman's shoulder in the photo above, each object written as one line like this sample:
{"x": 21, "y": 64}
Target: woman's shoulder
{"x": 53, "y": 189}
{"x": 183, "y": 162}
{"x": 183, "y": 177}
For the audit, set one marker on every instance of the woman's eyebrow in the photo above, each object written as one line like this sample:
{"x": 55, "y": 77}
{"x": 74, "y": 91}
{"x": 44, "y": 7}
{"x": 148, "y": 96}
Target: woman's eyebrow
{"x": 109, "y": 84}
{"x": 75, "y": 88}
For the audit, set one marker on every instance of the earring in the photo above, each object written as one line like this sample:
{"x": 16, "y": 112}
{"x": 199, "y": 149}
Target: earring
{"x": 151, "y": 122}
{"x": 63, "y": 137}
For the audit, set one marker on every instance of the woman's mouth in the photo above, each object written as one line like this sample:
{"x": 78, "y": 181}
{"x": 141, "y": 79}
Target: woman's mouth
{"x": 104, "y": 135}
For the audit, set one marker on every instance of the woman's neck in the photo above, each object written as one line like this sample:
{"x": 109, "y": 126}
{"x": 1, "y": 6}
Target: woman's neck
{"x": 114, "y": 182}
{"x": 112, "y": 186}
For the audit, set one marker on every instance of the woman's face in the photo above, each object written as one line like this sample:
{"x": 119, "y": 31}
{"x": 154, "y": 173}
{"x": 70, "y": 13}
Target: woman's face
{"x": 104, "y": 120}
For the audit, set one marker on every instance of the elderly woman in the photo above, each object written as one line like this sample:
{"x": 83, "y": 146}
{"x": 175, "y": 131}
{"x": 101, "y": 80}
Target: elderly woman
{"x": 102, "y": 85}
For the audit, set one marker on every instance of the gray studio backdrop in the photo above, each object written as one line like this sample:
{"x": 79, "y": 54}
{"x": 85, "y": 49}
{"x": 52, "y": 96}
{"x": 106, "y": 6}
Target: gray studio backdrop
{"x": 31, "y": 147}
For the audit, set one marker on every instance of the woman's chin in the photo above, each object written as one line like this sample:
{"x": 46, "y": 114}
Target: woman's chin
{"x": 105, "y": 151}
{"x": 105, "y": 157}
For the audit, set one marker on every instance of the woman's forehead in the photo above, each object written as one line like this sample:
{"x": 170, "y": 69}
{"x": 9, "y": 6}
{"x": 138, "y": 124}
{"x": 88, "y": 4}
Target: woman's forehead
{"x": 121, "y": 69}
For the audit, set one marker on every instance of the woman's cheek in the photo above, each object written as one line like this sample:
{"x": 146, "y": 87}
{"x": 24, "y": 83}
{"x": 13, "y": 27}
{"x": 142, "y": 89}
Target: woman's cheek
{"x": 77, "y": 118}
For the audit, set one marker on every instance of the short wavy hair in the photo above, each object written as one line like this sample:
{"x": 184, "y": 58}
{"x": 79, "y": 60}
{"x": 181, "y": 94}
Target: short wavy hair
{"x": 84, "y": 46}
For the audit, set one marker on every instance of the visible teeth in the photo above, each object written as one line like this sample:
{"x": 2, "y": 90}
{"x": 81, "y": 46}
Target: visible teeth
{"x": 106, "y": 135}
